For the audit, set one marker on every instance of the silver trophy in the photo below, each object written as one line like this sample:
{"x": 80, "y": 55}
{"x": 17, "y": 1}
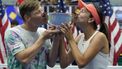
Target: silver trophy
{"x": 58, "y": 18}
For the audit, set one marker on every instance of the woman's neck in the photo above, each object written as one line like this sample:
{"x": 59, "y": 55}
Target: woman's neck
{"x": 89, "y": 31}
{"x": 29, "y": 27}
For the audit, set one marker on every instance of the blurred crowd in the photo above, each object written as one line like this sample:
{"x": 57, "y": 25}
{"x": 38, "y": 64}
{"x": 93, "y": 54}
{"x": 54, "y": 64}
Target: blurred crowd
{"x": 56, "y": 1}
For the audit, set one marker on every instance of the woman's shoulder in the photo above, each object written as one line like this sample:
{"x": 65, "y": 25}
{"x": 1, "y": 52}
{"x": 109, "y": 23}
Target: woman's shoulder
{"x": 103, "y": 42}
{"x": 101, "y": 38}
{"x": 101, "y": 35}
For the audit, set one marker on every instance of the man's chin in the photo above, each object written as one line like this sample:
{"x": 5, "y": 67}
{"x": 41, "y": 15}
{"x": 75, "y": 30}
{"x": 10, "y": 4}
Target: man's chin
{"x": 45, "y": 21}
{"x": 42, "y": 23}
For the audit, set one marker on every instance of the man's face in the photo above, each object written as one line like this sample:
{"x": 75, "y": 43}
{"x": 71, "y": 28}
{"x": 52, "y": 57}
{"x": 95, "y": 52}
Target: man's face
{"x": 38, "y": 17}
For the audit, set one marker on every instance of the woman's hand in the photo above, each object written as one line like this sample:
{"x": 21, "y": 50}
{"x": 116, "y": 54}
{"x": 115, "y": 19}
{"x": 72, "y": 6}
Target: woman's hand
{"x": 67, "y": 31}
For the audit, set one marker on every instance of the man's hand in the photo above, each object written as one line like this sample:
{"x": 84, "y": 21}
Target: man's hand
{"x": 50, "y": 32}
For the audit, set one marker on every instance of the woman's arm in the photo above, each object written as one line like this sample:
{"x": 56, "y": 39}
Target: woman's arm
{"x": 65, "y": 56}
{"x": 97, "y": 44}
{"x": 82, "y": 59}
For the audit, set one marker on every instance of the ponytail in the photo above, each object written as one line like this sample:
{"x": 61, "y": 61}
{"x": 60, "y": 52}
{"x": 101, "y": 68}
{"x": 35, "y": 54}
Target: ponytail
{"x": 103, "y": 26}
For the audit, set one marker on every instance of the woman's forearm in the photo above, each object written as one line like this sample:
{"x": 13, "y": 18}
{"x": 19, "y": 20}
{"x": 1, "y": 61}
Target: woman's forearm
{"x": 66, "y": 58}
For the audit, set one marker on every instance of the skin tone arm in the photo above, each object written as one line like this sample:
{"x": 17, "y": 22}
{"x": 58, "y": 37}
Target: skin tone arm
{"x": 83, "y": 59}
{"x": 29, "y": 53}
{"x": 66, "y": 57}
{"x": 53, "y": 54}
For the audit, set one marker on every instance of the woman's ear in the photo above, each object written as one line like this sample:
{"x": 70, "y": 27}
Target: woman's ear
{"x": 90, "y": 20}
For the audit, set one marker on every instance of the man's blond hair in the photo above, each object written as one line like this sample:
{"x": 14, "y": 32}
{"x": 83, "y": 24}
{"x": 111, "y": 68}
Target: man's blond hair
{"x": 28, "y": 6}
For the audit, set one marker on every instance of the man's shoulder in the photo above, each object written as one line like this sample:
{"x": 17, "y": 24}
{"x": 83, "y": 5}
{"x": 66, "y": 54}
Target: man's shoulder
{"x": 12, "y": 30}
{"x": 40, "y": 30}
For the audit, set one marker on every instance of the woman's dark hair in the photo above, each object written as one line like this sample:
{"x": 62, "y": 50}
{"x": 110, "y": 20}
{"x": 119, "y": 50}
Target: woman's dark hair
{"x": 103, "y": 26}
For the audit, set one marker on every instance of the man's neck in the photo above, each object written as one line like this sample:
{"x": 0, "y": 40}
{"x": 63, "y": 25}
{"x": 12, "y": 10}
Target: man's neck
{"x": 29, "y": 28}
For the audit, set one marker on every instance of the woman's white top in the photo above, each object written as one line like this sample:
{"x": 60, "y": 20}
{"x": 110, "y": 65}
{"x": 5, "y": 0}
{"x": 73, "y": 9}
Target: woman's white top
{"x": 100, "y": 61}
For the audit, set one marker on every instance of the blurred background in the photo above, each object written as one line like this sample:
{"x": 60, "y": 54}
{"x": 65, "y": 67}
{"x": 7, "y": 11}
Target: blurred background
{"x": 51, "y": 6}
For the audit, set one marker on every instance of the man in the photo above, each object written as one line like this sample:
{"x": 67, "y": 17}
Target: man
{"x": 27, "y": 45}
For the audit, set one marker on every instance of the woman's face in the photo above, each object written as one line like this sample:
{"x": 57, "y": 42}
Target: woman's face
{"x": 82, "y": 17}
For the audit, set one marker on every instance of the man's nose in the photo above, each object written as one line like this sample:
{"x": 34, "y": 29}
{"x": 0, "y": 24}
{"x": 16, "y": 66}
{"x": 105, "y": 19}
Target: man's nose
{"x": 44, "y": 15}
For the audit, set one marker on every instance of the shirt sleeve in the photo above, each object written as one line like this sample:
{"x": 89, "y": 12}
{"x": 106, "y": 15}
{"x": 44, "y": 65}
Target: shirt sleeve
{"x": 14, "y": 42}
{"x": 48, "y": 45}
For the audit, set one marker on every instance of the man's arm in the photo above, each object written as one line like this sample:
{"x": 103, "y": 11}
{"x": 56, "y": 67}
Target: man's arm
{"x": 29, "y": 53}
{"x": 15, "y": 44}
{"x": 53, "y": 53}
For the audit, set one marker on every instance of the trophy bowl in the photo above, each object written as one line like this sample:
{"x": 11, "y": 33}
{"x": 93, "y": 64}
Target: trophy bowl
{"x": 57, "y": 19}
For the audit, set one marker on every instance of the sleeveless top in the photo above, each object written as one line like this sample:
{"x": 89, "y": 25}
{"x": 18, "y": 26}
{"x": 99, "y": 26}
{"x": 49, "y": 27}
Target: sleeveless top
{"x": 100, "y": 61}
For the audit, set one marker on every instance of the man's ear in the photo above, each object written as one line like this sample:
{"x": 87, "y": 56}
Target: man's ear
{"x": 90, "y": 20}
{"x": 26, "y": 17}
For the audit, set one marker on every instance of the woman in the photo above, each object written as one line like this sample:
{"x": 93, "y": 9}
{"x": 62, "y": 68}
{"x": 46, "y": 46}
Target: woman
{"x": 91, "y": 51}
